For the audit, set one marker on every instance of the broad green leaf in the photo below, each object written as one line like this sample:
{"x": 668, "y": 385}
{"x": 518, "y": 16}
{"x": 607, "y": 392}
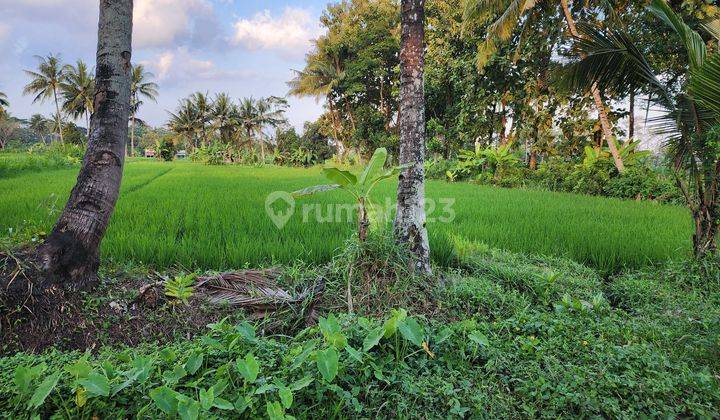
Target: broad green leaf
{"x": 172, "y": 377}
{"x": 188, "y": 409}
{"x": 207, "y": 398}
{"x": 314, "y": 190}
{"x": 374, "y": 167}
{"x": 353, "y": 353}
{"x": 340, "y": 177}
{"x": 194, "y": 363}
{"x": 96, "y": 384}
{"x": 373, "y": 338}
{"x": 241, "y": 404}
{"x": 391, "y": 325}
{"x": 247, "y": 331}
{"x": 479, "y": 338}
{"x": 275, "y": 411}
{"x": 329, "y": 325}
{"x": 81, "y": 397}
{"x": 248, "y": 368}
{"x": 165, "y": 399}
{"x": 43, "y": 390}
{"x": 222, "y": 404}
{"x": 301, "y": 383}
{"x": 286, "y": 396}
{"x": 25, "y": 375}
{"x": 412, "y": 331}
{"x": 300, "y": 358}
{"x": 327, "y": 363}
{"x": 80, "y": 369}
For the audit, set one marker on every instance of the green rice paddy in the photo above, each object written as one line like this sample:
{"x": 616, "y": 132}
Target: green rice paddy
{"x": 213, "y": 217}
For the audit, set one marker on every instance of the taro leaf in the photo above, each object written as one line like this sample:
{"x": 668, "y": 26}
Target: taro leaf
{"x": 42, "y": 391}
{"x": 80, "y": 369}
{"x": 286, "y": 396}
{"x": 247, "y": 331}
{"x": 207, "y": 398}
{"x": 412, "y": 331}
{"x": 248, "y": 368}
{"x": 188, "y": 409}
{"x": 374, "y": 167}
{"x": 353, "y": 353}
{"x": 391, "y": 325}
{"x": 340, "y": 177}
{"x": 373, "y": 338}
{"x": 300, "y": 358}
{"x": 314, "y": 190}
{"x": 194, "y": 363}
{"x": 96, "y": 384}
{"x": 479, "y": 338}
{"x": 275, "y": 411}
{"x": 25, "y": 375}
{"x": 165, "y": 399}
{"x": 327, "y": 363}
{"x": 241, "y": 404}
{"x": 222, "y": 404}
{"x": 329, "y": 325}
{"x": 172, "y": 377}
{"x": 132, "y": 376}
{"x": 301, "y": 383}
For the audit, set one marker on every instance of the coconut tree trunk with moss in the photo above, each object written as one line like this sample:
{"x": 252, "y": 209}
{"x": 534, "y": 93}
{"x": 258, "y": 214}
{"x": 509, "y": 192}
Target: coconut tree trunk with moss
{"x": 597, "y": 99}
{"x": 410, "y": 218}
{"x": 69, "y": 256}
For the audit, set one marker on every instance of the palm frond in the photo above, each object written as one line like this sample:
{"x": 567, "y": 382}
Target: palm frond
{"x": 705, "y": 84}
{"x": 693, "y": 42}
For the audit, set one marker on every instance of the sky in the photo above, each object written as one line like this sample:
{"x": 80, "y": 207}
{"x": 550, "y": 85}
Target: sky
{"x": 242, "y": 47}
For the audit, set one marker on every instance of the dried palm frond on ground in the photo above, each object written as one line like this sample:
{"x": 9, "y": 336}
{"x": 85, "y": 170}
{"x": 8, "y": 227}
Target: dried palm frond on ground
{"x": 255, "y": 289}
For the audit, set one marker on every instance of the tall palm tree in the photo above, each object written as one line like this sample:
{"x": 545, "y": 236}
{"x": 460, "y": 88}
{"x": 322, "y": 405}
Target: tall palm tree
{"x": 320, "y": 77}
{"x": 140, "y": 87}
{"x": 256, "y": 115}
{"x": 503, "y": 28}
{"x": 410, "y": 219}
{"x": 186, "y": 122}
{"x": 78, "y": 91}
{"x": 609, "y": 59}
{"x": 70, "y": 256}
{"x": 39, "y": 125}
{"x": 46, "y": 82}
{"x": 224, "y": 116}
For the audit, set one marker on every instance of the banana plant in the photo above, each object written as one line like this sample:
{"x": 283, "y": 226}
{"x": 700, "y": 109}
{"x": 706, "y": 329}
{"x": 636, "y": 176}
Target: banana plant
{"x": 359, "y": 186}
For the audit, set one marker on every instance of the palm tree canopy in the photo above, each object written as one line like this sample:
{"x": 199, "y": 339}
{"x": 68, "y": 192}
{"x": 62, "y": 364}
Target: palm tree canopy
{"x": 78, "y": 90}
{"x": 318, "y": 79}
{"x": 46, "y": 80}
{"x": 141, "y": 87}
{"x": 3, "y": 100}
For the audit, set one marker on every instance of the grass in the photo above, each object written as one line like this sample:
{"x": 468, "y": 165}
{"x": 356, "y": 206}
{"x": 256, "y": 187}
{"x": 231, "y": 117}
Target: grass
{"x": 214, "y": 217}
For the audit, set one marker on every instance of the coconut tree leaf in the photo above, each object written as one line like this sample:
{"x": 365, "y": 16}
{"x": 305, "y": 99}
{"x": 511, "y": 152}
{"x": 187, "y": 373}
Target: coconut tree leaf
{"x": 705, "y": 84}
{"x": 314, "y": 190}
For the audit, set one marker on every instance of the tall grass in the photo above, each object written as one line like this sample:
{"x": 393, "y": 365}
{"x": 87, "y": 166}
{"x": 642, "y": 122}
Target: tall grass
{"x": 214, "y": 217}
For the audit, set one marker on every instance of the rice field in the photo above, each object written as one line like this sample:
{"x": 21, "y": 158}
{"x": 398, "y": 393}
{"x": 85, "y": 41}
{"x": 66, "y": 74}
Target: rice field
{"x": 214, "y": 218}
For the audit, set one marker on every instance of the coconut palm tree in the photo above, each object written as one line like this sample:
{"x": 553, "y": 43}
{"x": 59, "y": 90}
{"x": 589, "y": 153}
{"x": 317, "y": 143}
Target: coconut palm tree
{"x": 319, "y": 79}
{"x": 39, "y": 125}
{"x": 502, "y": 29}
{"x": 203, "y": 110}
{"x": 46, "y": 82}
{"x": 256, "y": 115}
{"x": 140, "y": 87}
{"x": 78, "y": 91}
{"x": 224, "y": 116}
{"x": 70, "y": 256}
{"x": 186, "y": 122}
{"x": 410, "y": 219}
{"x": 609, "y": 59}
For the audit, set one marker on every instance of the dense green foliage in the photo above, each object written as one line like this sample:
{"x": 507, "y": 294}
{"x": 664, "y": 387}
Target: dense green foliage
{"x": 214, "y": 217}
{"x": 518, "y": 337}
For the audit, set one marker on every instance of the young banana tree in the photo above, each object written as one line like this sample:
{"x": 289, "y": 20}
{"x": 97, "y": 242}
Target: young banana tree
{"x": 359, "y": 186}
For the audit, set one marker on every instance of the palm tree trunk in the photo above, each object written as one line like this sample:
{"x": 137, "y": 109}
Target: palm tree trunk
{"x": 70, "y": 255}
{"x": 631, "y": 117}
{"x": 410, "y": 218}
{"x": 602, "y": 112}
{"x": 132, "y": 135}
{"x": 87, "y": 124}
{"x": 334, "y": 120}
{"x": 57, "y": 117}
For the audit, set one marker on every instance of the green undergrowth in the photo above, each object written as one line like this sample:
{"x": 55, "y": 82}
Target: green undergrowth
{"x": 506, "y": 335}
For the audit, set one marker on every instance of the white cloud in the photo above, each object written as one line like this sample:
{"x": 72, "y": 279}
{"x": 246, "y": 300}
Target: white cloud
{"x": 4, "y": 31}
{"x": 289, "y": 33}
{"x": 158, "y": 23}
{"x": 181, "y": 65}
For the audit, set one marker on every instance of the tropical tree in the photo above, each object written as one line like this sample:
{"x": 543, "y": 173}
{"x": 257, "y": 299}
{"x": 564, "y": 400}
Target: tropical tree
{"x": 8, "y": 125}
{"x": 225, "y": 117}
{"x": 410, "y": 217}
{"x": 186, "y": 122}
{"x": 78, "y": 91}
{"x": 609, "y": 58}
{"x": 320, "y": 77}
{"x": 203, "y": 110}
{"x": 504, "y": 27}
{"x": 140, "y": 88}
{"x": 46, "y": 82}
{"x": 69, "y": 257}
{"x": 39, "y": 125}
{"x": 255, "y": 115}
